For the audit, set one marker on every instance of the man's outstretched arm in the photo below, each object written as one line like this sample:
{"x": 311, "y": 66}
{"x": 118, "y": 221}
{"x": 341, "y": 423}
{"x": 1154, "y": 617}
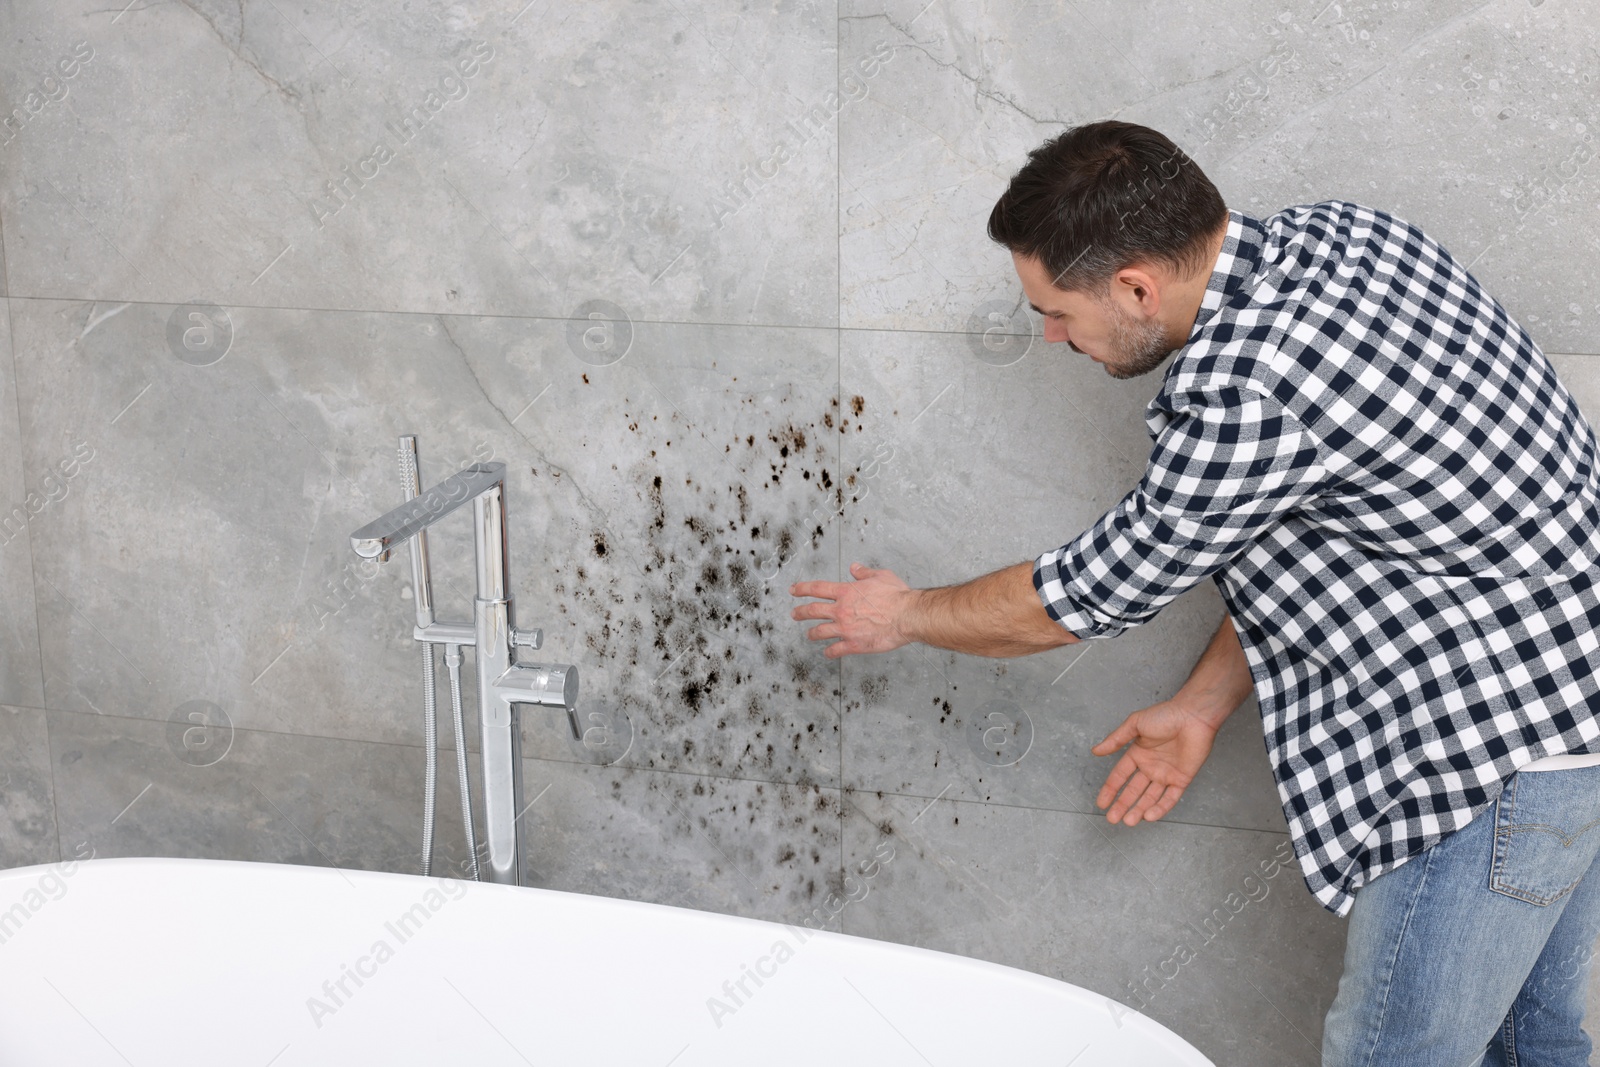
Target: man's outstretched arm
{"x": 999, "y": 614}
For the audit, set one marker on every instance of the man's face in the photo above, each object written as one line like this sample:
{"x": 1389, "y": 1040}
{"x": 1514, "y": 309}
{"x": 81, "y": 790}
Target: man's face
{"x": 1127, "y": 344}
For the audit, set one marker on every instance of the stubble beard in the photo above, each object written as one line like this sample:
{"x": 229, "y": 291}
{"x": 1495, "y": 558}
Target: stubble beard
{"x": 1138, "y": 344}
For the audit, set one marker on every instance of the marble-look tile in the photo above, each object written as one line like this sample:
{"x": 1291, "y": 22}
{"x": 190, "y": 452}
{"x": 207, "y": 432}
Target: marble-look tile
{"x": 1107, "y": 908}
{"x": 1544, "y": 204}
{"x": 760, "y": 849}
{"x": 27, "y": 802}
{"x": 674, "y": 492}
{"x": 1488, "y": 100}
{"x": 947, "y": 121}
{"x": 25, "y": 491}
{"x": 128, "y": 787}
{"x": 1489, "y": 115}
{"x": 921, "y": 170}
{"x": 954, "y": 468}
{"x": 980, "y": 465}
{"x": 272, "y": 157}
{"x": 1581, "y": 375}
{"x": 132, "y": 787}
{"x": 646, "y": 500}
{"x": 1265, "y": 65}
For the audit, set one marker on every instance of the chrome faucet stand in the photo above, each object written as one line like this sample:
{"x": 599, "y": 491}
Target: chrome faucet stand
{"x": 503, "y": 684}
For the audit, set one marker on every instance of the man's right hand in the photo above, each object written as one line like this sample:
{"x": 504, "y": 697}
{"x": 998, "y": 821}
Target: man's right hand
{"x": 1167, "y": 744}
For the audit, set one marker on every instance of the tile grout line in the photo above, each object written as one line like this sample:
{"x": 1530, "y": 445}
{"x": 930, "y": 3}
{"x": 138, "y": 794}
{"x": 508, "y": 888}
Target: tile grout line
{"x": 838, "y": 393}
{"x": 5, "y": 275}
{"x": 1096, "y": 815}
{"x": 840, "y": 788}
{"x": 55, "y": 808}
{"x": 16, "y": 407}
{"x": 837, "y": 326}
{"x": 33, "y": 584}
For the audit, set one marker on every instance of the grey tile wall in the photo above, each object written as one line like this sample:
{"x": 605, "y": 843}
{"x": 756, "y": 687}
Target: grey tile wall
{"x": 28, "y": 826}
{"x": 28, "y": 492}
{"x": 237, "y": 260}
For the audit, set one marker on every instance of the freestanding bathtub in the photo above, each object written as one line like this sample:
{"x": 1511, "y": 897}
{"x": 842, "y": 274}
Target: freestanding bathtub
{"x": 170, "y": 962}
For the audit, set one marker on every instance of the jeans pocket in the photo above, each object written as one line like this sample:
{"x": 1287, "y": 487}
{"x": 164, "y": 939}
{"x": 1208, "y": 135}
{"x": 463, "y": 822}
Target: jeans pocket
{"x": 1547, "y": 831}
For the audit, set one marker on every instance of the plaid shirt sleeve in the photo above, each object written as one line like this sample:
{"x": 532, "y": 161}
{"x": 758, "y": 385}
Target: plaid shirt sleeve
{"x": 1227, "y": 465}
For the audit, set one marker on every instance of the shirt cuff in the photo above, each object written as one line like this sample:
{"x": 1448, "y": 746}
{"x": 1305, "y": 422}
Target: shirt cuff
{"x": 1049, "y": 580}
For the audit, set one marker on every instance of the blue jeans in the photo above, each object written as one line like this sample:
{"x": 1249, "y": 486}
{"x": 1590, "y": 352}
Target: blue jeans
{"x": 1477, "y": 950}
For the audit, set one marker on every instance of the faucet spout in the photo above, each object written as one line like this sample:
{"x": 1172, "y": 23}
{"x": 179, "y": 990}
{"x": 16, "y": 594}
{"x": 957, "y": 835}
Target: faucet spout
{"x": 421, "y": 512}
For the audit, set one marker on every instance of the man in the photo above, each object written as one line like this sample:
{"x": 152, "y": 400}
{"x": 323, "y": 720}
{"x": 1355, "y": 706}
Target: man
{"x": 1399, "y": 503}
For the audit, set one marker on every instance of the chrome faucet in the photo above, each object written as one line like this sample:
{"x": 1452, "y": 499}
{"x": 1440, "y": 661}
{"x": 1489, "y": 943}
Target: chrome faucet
{"x": 503, "y": 684}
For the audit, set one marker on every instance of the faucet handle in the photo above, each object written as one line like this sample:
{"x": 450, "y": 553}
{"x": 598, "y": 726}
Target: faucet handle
{"x": 527, "y": 638}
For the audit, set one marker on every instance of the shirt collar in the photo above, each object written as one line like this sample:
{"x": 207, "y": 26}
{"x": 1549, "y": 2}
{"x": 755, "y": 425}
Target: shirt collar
{"x": 1238, "y": 259}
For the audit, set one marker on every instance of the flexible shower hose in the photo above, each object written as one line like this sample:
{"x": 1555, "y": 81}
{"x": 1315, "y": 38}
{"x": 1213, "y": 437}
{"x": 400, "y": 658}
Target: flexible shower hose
{"x": 452, "y": 665}
{"x": 430, "y": 746}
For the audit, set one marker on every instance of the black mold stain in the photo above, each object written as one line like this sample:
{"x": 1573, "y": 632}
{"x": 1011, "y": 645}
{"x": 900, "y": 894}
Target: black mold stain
{"x": 874, "y": 690}
{"x": 684, "y": 598}
{"x": 783, "y": 831}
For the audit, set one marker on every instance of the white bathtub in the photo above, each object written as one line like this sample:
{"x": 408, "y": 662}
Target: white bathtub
{"x": 169, "y": 962}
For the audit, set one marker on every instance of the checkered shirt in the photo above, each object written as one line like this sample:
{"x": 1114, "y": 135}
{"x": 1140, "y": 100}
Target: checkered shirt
{"x": 1396, "y": 497}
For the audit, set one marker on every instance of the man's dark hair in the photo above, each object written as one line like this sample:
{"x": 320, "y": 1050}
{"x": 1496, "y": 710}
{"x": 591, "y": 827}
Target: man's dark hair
{"x": 1098, "y": 197}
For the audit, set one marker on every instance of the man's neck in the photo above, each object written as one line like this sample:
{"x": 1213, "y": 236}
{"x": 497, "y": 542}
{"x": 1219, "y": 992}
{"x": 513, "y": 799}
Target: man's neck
{"x": 1184, "y": 297}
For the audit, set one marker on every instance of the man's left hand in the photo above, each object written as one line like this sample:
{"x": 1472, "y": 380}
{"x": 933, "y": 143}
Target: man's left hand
{"x": 1167, "y": 743}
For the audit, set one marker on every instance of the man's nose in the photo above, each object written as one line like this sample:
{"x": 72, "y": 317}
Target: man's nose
{"x": 1054, "y": 331}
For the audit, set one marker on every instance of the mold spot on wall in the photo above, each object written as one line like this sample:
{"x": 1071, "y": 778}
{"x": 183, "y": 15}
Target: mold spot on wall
{"x": 737, "y": 829}
{"x": 683, "y": 601}
{"x": 874, "y": 690}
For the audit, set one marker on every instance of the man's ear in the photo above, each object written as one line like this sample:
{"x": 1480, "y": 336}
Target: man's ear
{"x": 1139, "y": 283}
